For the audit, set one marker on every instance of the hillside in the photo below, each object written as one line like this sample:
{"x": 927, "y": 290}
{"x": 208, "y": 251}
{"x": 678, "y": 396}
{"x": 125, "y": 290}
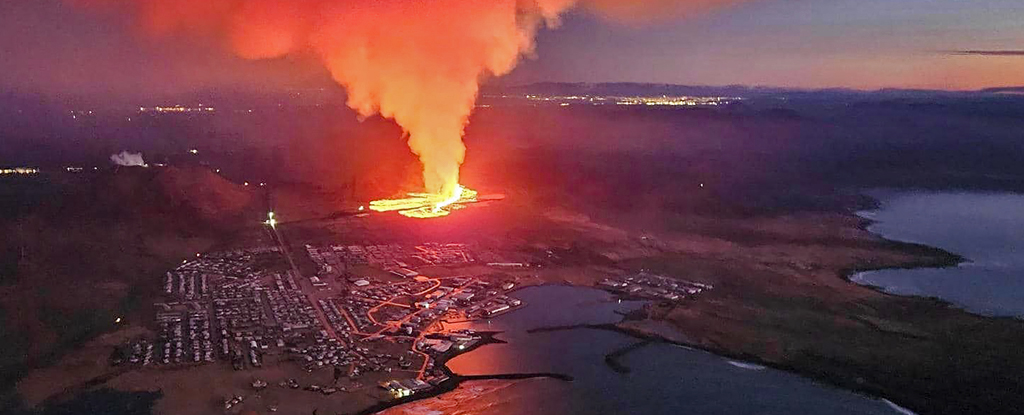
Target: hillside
{"x": 80, "y": 259}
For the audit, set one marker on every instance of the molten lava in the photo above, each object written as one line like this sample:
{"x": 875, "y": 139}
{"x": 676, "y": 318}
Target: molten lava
{"x": 427, "y": 205}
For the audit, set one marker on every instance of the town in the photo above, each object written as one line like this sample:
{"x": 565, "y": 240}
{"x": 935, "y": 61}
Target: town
{"x": 370, "y": 314}
{"x": 365, "y": 313}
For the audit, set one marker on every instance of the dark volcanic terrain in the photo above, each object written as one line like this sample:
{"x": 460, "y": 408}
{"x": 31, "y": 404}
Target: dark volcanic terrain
{"x": 87, "y": 250}
{"x": 757, "y": 198}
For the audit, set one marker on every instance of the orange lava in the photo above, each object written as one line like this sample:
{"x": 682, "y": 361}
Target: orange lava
{"x": 426, "y": 205}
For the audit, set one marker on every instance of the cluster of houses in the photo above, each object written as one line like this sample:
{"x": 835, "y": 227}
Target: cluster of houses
{"x": 655, "y": 287}
{"x": 333, "y": 260}
{"x": 243, "y": 306}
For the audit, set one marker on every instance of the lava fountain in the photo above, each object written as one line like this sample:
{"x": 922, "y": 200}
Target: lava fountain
{"x": 427, "y": 205}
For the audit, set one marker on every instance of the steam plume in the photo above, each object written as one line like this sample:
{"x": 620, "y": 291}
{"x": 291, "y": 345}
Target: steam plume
{"x": 419, "y": 62}
{"x": 125, "y": 158}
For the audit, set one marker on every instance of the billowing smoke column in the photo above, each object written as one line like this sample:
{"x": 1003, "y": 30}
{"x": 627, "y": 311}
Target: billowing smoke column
{"x": 419, "y": 62}
{"x": 128, "y": 159}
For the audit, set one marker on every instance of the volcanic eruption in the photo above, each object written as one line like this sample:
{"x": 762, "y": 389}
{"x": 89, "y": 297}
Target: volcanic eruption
{"x": 418, "y": 62}
{"x": 426, "y": 205}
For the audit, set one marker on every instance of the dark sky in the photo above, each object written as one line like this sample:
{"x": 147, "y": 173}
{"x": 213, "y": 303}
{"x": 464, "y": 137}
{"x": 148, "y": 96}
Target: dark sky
{"x": 48, "y": 46}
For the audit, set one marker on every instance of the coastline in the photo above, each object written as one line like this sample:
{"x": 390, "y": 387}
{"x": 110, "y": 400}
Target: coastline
{"x": 455, "y": 379}
{"x": 947, "y": 259}
{"x": 961, "y": 234}
{"x": 649, "y": 337}
{"x": 924, "y": 256}
{"x": 920, "y": 256}
{"x": 645, "y": 338}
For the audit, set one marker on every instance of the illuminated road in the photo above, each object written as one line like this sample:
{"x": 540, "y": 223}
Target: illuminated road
{"x": 437, "y": 283}
{"x": 426, "y": 357}
{"x": 326, "y": 323}
{"x": 352, "y": 323}
{"x": 391, "y": 301}
{"x": 316, "y": 304}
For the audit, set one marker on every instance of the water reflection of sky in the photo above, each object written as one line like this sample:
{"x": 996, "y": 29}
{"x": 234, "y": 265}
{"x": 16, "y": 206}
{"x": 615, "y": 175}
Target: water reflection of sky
{"x": 664, "y": 379}
{"x": 986, "y": 228}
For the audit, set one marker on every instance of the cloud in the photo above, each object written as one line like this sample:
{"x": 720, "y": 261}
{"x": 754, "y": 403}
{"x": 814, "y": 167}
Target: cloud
{"x": 126, "y": 158}
{"x": 987, "y": 52}
{"x": 636, "y": 11}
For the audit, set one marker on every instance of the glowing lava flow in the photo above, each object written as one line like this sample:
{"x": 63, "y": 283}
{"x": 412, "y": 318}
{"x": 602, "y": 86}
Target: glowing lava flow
{"x": 426, "y": 205}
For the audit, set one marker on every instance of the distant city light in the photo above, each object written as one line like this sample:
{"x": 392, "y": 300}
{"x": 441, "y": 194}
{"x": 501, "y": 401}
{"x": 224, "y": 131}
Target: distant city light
{"x": 271, "y": 221}
{"x": 194, "y": 151}
{"x": 178, "y": 109}
{"x": 117, "y": 320}
{"x": 652, "y": 101}
{"x": 19, "y": 170}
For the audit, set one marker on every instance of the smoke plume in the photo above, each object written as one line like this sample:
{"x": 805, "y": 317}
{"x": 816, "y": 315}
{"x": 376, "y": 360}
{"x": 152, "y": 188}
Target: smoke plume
{"x": 418, "y": 62}
{"x": 127, "y": 159}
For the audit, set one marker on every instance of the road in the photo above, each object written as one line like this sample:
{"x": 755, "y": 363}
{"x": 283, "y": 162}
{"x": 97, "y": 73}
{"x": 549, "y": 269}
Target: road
{"x": 310, "y": 292}
{"x": 305, "y": 284}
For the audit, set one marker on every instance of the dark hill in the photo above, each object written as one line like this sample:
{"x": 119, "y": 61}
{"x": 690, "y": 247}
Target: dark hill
{"x": 94, "y": 248}
{"x": 192, "y": 194}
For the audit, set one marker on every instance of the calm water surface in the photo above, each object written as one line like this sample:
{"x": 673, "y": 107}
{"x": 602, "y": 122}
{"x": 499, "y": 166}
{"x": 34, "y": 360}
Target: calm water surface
{"x": 986, "y": 228}
{"x": 664, "y": 379}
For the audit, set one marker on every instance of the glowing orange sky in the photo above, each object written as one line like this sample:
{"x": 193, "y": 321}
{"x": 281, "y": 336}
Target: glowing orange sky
{"x": 800, "y": 43}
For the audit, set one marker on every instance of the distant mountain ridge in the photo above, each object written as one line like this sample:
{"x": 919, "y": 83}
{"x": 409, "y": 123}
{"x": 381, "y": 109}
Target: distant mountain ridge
{"x": 1005, "y": 90}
